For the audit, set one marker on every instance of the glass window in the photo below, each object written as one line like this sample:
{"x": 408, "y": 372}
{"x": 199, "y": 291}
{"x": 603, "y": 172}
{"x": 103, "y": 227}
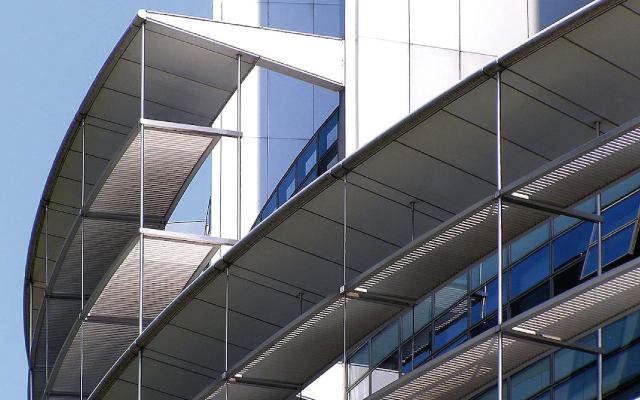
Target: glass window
{"x": 328, "y": 134}
{"x": 307, "y": 161}
{"x": 328, "y": 160}
{"x": 451, "y": 324}
{"x": 570, "y": 277}
{"x": 620, "y": 214}
{"x": 385, "y": 373}
{"x": 484, "y": 326}
{"x": 287, "y": 187}
{"x": 423, "y": 313}
{"x": 572, "y": 243}
{"x": 579, "y": 387}
{"x": 360, "y": 391}
{"x": 529, "y": 271}
{"x": 407, "y": 325}
{"x": 621, "y": 368}
{"x": 562, "y": 223}
{"x": 532, "y": 240}
{"x": 358, "y": 364}
{"x": 422, "y": 345}
{"x": 384, "y": 342}
{"x": 450, "y": 294}
{"x": 483, "y": 272}
{"x": 612, "y": 194}
{"x": 270, "y": 207}
{"x": 621, "y": 332}
{"x": 568, "y": 361}
{"x": 530, "y": 299}
{"x": 406, "y": 357}
{"x": 613, "y": 247}
{"x": 530, "y": 380}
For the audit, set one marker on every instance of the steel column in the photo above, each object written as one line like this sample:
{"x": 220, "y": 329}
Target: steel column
{"x": 344, "y": 298}
{"x": 226, "y": 331}
{"x": 239, "y": 149}
{"x": 141, "y": 245}
{"x": 46, "y": 296}
{"x": 31, "y": 338}
{"x": 499, "y": 188}
{"x": 82, "y": 267}
{"x": 599, "y": 334}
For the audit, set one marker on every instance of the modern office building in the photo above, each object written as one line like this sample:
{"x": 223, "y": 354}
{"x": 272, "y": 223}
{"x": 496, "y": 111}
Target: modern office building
{"x": 409, "y": 200}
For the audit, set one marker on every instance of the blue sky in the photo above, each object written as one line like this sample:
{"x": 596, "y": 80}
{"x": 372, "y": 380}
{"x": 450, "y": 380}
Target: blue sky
{"x": 51, "y": 52}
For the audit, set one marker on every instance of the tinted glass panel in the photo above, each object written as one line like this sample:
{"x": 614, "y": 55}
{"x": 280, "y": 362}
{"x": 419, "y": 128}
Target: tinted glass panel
{"x": 407, "y": 325}
{"x": 568, "y": 361}
{"x": 529, "y": 242}
{"x": 613, "y": 248}
{"x": 306, "y": 162}
{"x": 621, "y": 368}
{"x": 620, "y": 214}
{"x": 563, "y": 223}
{"x": 570, "y": 277}
{"x": 530, "y": 300}
{"x": 423, "y": 314}
{"x": 621, "y": 332}
{"x": 384, "y": 342}
{"x": 286, "y": 188}
{"x": 451, "y": 324}
{"x": 530, "y": 380}
{"x": 572, "y": 243}
{"x": 406, "y": 357}
{"x": 614, "y": 193}
{"x": 385, "y": 373}
{"x": 422, "y": 345}
{"x": 529, "y": 271}
{"x": 451, "y": 293}
{"x": 580, "y": 387}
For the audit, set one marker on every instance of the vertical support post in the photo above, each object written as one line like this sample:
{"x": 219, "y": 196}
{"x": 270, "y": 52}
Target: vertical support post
{"x": 31, "y": 337}
{"x": 599, "y": 337}
{"x": 239, "y": 148}
{"x": 226, "y": 332}
{"x": 344, "y": 297}
{"x": 46, "y": 296}
{"x": 141, "y": 244}
{"x": 82, "y": 268}
{"x": 499, "y": 187}
{"x": 413, "y": 220}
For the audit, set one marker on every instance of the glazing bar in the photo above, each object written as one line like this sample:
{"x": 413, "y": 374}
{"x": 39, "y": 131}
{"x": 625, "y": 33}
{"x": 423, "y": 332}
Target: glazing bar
{"x": 499, "y": 188}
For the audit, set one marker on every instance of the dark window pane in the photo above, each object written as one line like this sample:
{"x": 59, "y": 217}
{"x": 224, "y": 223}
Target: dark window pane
{"x": 451, "y": 324}
{"x": 422, "y": 345}
{"x": 529, "y": 271}
{"x": 530, "y": 300}
{"x": 572, "y": 244}
{"x": 530, "y": 380}
{"x": 328, "y": 160}
{"x": 287, "y": 186}
{"x": 406, "y": 357}
{"x": 306, "y": 162}
{"x": 580, "y": 387}
{"x": 384, "y": 342}
{"x": 569, "y": 278}
{"x": 620, "y": 214}
{"x": 484, "y": 326}
{"x": 270, "y": 207}
{"x": 613, "y": 248}
{"x": 407, "y": 325}
{"x": 328, "y": 134}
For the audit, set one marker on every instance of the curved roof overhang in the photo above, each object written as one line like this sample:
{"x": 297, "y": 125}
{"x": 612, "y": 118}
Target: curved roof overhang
{"x": 440, "y": 159}
{"x": 187, "y": 95}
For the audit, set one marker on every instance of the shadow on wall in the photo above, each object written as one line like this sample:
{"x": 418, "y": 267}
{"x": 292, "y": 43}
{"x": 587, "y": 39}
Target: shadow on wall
{"x": 550, "y": 11}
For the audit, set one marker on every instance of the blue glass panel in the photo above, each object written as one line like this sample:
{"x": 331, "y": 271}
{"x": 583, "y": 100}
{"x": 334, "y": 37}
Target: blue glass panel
{"x": 485, "y": 325}
{"x": 572, "y": 243}
{"x": 454, "y": 344}
{"x": 544, "y": 396}
{"x": 384, "y": 342}
{"x": 306, "y": 162}
{"x": 579, "y": 387}
{"x": 612, "y": 194}
{"x": 613, "y": 248}
{"x": 530, "y": 380}
{"x": 483, "y": 272}
{"x": 310, "y": 178}
{"x": 529, "y": 271}
{"x": 621, "y": 332}
{"x": 270, "y": 207}
{"x": 621, "y": 368}
{"x": 423, "y": 314}
{"x": 568, "y": 361}
{"x": 531, "y": 299}
{"x": 328, "y": 134}
{"x": 422, "y": 345}
{"x": 287, "y": 186}
{"x": 529, "y": 242}
{"x": 562, "y": 223}
{"x": 620, "y": 214}
{"x": 451, "y": 324}
{"x": 406, "y": 357}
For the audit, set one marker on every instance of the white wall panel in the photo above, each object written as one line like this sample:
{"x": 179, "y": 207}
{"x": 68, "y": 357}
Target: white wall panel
{"x": 246, "y": 12}
{"x": 471, "y": 62}
{"x": 383, "y": 83}
{"x": 382, "y": 19}
{"x": 492, "y": 27}
{"x": 435, "y": 23}
{"x": 433, "y": 70}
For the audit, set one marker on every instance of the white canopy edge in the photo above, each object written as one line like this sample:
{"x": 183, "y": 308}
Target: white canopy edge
{"x": 312, "y": 58}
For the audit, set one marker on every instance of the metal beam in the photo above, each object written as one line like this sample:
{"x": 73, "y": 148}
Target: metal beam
{"x": 264, "y": 383}
{"x": 536, "y": 205}
{"x": 115, "y": 319}
{"x": 383, "y": 299}
{"x": 187, "y": 129}
{"x": 555, "y": 343}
